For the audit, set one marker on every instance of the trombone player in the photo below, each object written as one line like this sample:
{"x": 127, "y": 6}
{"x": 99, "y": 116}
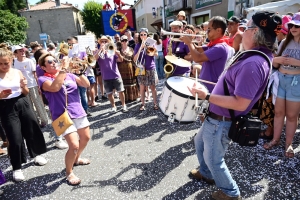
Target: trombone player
{"x": 179, "y": 49}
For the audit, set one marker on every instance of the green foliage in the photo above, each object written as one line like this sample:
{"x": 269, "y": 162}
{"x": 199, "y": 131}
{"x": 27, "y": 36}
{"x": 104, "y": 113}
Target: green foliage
{"x": 41, "y": 1}
{"x": 12, "y": 28}
{"x": 91, "y": 17}
{"x": 12, "y": 5}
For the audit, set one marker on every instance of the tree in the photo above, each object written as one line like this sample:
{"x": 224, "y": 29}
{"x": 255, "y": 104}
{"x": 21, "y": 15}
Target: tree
{"x": 41, "y": 1}
{"x": 91, "y": 17}
{"x": 12, "y": 5}
{"x": 12, "y": 27}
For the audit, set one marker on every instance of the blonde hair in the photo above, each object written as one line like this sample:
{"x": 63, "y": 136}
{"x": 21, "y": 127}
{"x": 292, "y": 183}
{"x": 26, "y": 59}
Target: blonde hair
{"x": 4, "y": 51}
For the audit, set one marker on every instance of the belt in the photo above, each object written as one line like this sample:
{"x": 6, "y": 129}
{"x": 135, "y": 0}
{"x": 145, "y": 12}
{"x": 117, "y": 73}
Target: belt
{"x": 218, "y": 117}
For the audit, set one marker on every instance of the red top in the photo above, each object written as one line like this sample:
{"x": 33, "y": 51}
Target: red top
{"x": 119, "y": 2}
{"x": 107, "y": 7}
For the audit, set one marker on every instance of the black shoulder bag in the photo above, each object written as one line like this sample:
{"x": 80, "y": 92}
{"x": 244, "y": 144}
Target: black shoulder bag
{"x": 244, "y": 129}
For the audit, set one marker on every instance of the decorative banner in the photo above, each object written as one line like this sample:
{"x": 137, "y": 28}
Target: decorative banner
{"x": 204, "y": 3}
{"x": 118, "y": 21}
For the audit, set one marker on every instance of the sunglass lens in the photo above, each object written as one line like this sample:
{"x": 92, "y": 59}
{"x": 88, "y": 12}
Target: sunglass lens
{"x": 124, "y": 41}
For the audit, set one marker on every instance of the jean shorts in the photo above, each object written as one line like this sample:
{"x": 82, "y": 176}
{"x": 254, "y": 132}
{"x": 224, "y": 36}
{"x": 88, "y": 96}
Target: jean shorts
{"x": 91, "y": 79}
{"x": 289, "y": 87}
{"x": 110, "y": 85}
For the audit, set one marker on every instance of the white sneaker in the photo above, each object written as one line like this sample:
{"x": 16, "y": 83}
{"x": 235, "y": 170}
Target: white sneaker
{"x": 1, "y": 192}
{"x": 18, "y": 175}
{"x": 125, "y": 109}
{"x": 113, "y": 109}
{"x": 40, "y": 160}
{"x": 61, "y": 144}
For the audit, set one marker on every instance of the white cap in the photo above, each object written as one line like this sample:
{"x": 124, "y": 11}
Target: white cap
{"x": 16, "y": 47}
{"x": 176, "y": 23}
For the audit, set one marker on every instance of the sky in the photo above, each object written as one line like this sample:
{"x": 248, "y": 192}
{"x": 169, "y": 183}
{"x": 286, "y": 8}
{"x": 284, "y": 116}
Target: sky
{"x": 82, "y": 2}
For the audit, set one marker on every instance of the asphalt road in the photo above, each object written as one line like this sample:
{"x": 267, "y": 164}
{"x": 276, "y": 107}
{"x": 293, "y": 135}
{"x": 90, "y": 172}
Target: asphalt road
{"x": 139, "y": 155}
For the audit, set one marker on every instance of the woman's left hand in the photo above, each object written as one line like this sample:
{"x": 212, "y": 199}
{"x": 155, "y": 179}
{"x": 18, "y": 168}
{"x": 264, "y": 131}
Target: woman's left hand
{"x": 198, "y": 89}
{"x": 291, "y": 61}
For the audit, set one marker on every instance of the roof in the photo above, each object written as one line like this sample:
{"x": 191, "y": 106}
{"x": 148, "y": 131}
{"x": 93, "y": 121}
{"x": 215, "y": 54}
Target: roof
{"x": 157, "y": 22}
{"x": 50, "y": 4}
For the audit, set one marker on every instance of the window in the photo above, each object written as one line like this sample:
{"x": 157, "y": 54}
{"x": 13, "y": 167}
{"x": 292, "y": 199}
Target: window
{"x": 201, "y": 19}
{"x": 143, "y": 22}
{"x": 138, "y": 23}
{"x": 142, "y": 4}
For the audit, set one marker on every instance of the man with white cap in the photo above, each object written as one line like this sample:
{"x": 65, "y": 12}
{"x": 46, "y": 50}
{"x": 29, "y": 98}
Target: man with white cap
{"x": 28, "y": 68}
{"x": 179, "y": 49}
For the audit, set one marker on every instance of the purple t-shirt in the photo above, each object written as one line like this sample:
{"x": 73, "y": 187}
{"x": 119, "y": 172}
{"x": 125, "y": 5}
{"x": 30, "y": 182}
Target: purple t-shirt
{"x": 212, "y": 69}
{"x": 57, "y": 100}
{"x": 246, "y": 78}
{"x": 109, "y": 67}
{"x": 148, "y": 61}
{"x": 39, "y": 72}
{"x": 180, "y": 50}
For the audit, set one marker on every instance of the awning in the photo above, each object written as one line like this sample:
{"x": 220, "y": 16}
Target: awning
{"x": 157, "y": 22}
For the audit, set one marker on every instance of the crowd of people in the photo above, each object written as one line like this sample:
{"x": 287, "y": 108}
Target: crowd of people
{"x": 125, "y": 67}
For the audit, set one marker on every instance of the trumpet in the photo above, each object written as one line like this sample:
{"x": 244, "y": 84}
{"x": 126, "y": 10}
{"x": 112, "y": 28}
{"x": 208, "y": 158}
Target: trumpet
{"x": 151, "y": 51}
{"x": 90, "y": 57}
{"x": 76, "y": 66}
{"x": 163, "y": 32}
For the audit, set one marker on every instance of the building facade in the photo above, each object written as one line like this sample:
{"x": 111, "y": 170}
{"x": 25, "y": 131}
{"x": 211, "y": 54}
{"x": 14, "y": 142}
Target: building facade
{"x": 56, "y": 19}
{"x": 149, "y": 14}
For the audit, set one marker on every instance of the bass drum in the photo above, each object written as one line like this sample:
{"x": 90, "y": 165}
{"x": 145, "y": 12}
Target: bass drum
{"x": 176, "y": 100}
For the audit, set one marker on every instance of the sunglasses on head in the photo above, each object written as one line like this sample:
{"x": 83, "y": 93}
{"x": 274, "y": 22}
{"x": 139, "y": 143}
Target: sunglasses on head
{"x": 291, "y": 26}
{"x": 124, "y": 40}
{"x": 51, "y": 61}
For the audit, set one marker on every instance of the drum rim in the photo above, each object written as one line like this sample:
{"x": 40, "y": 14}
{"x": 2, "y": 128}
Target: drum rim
{"x": 179, "y": 93}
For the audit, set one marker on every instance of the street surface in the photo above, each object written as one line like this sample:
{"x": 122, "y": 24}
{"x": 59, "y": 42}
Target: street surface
{"x": 140, "y": 155}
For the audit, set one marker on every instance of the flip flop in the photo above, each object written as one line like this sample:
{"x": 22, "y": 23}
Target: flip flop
{"x": 95, "y": 105}
{"x": 155, "y": 107}
{"x": 82, "y": 161}
{"x": 142, "y": 108}
{"x": 73, "y": 180}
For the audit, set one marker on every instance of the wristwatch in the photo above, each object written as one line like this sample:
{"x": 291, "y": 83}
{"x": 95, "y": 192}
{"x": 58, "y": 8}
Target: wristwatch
{"x": 207, "y": 96}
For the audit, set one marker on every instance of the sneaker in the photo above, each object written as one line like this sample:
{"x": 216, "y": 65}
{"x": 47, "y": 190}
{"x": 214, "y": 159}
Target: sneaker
{"x": 104, "y": 97}
{"x": 196, "y": 175}
{"x": 96, "y": 98}
{"x": 1, "y": 192}
{"x": 39, "y": 160}
{"x": 18, "y": 175}
{"x": 113, "y": 109}
{"x": 124, "y": 109}
{"x": 219, "y": 195}
{"x": 61, "y": 144}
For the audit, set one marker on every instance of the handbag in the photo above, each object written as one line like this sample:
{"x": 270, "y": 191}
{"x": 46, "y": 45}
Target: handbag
{"x": 244, "y": 129}
{"x": 64, "y": 121}
{"x": 140, "y": 70}
{"x": 2, "y": 178}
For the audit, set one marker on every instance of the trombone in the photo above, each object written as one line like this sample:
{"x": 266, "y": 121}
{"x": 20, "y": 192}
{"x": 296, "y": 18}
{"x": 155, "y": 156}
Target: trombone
{"x": 163, "y": 32}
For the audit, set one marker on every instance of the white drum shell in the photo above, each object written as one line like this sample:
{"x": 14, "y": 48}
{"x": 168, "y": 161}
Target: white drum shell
{"x": 177, "y": 100}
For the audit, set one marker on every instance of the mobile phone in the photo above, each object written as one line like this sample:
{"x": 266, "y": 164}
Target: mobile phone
{"x": 7, "y": 91}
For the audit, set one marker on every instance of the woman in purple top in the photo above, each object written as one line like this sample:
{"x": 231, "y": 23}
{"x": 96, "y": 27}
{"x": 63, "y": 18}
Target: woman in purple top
{"x": 150, "y": 78}
{"x": 54, "y": 83}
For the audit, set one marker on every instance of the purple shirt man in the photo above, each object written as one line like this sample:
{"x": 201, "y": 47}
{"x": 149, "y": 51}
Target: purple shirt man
{"x": 180, "y": 50}
{"x": 57, "y": 100}
{"x": 212, "y": 69}
{"x": 252, "y": 75}
{"x": 144, "y": 59}
{"x": 109, "y": 67}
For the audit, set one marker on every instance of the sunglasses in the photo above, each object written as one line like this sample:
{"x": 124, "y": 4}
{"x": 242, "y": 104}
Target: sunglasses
{"x": 143, "y": 34}
{"x": 70, "y": 44}
{"x": 103, "y": 41}
{"x": 293, "y": 25}
{"x": 248, "y": 27}
{"x": 124, "y": 40}
{"x": 51, "y": 61}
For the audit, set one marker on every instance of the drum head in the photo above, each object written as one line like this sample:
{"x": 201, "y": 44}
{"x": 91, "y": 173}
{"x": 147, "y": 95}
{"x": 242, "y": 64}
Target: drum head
{"x": 179, "y": 84}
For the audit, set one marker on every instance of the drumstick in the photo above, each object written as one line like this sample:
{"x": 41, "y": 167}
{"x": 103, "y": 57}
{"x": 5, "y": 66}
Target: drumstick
{"x": 201, "y": 80}
{"x": 196, "y": 81}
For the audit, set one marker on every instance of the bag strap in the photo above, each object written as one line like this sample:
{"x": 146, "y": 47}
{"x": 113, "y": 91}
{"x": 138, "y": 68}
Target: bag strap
{"x": 66, "y": 94}
{"x": 226, "y": 91}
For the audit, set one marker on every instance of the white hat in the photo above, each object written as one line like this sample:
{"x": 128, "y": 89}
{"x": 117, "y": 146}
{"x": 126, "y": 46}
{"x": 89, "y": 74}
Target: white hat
{"x": 182, "y": 13}
{"x": 176, "y": 23}
{"x": 16, "y": 47}
{"x": 124, "y": 37}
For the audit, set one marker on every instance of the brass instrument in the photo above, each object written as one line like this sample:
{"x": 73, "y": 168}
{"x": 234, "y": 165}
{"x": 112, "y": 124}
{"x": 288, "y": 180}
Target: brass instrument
{"x": 76, "y": 65}
{"x": 163, "y": 32}
{"x": 169, "y": 68}
{"x": 151, "y": 51}
{"x": 90, "y": 57}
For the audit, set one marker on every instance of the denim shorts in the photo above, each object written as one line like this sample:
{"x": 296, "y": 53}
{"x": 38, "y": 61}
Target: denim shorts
{"x": 110, "y": 85}
{"x": 289, "y": 87}
{"x": 91, "y": 79}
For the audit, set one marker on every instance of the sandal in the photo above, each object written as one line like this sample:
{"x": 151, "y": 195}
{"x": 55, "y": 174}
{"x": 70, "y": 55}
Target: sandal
{"x": 82, "y": 161}
{"x": 289, "y": 151}
{"x": 155, "y": 107}
{"x": 263, "y": 135}
{"x": 142, "y": 108}
{"x": 73, "y": 180}
{"x": 271, "y": 144}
